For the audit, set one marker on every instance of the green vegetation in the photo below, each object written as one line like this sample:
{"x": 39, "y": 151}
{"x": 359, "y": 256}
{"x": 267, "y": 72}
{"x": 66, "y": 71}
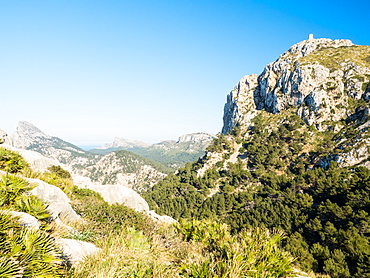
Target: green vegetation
{"x": 285, "y": 182}
{"x": 252, "y": 253}
{"x": 332, "y": 57}
{"x": 27, "y": 252}
{"x": 11, "y": 162}
{"x": 173, "y": 158}
{"x": 132, "y": 244}
{"x": 168, "y": 153}
{"x": 24, "y": 252}
{"x": 134, "y": 161}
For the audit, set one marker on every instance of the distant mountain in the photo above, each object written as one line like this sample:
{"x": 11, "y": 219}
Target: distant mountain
{"x": 29, "y": 137}
{"x": 121, "y": 143}
{"x": 171, "y": 153}
{"x": 120, "y": 167}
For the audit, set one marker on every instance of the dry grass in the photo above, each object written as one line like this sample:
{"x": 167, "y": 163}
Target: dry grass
{"x": 129, "y": 253}
{"x": 332, "y": 58}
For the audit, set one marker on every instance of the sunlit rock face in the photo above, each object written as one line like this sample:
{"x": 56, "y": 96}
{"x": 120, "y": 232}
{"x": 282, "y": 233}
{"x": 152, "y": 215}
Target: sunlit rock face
{"x": 321, "y": 80}
{"x": 305, "y": 78}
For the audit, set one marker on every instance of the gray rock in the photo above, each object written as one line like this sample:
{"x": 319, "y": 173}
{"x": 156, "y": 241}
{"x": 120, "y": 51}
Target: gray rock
{"x": 121, "y": 195}
{"x": 196, "y": 137}
{"x": 3, "y": 136}
{"x": 26, "y": 220}
{"x": 317, "y": 92}
{"x": 57, "y": 201}
{"x": 161, "y": 218}
{"x": 74, "y": 251}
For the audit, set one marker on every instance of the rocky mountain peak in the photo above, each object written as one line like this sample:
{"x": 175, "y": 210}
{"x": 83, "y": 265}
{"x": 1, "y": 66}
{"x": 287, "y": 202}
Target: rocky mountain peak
{"x": 325, "y": 82}
{"x": 306, "y": 47}
{"x": 119, "y": 142}
{"x": 196, "y": 137}
{"x": 317, "y": 77}
{"x": 26, "y": 127}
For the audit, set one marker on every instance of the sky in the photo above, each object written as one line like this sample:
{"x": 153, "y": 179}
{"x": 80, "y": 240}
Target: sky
{"x": 89, "y": 71}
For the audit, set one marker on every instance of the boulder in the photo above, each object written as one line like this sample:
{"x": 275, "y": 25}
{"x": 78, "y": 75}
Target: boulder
{"x": 121, "y": 195}
{"x": 26, "y": 220}
{"x": 37, "y": 161}
{"x": 165, "y": 219}
{"x": 3, "y": 136}
{"x": 74, "y": 251}
{"x": 57, "y": 201}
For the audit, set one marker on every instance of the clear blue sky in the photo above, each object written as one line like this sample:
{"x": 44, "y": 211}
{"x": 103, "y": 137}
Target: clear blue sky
{"x": 87, "y": 71}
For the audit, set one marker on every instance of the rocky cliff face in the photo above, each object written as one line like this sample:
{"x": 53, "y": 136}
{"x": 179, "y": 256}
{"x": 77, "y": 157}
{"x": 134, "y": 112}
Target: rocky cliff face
{"x": 317, "y": 77}
{"x": 323, "y": 81}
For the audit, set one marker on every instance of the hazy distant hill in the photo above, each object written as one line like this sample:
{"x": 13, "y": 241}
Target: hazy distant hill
{"x": 122, "y": 167}
{"x": 171, "y": 153}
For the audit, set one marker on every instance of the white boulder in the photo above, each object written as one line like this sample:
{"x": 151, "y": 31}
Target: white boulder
{"x": 57, "y": 201}
{"x": 74, "y": 251}
{"x": 121, "y": 195}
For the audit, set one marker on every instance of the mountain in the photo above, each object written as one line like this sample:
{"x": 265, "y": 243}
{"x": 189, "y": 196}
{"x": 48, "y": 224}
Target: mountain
{"x": 120, "y": 144}
{"x": 121, "y": 167}
{"x": 29, "y": 137}
{"x": 171, "y": 153}
{"x": 294, "y": 156}
{"x": 324, "y": 81}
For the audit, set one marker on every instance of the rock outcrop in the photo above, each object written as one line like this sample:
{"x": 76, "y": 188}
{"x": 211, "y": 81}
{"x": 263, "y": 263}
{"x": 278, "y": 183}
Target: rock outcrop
{"x": 118, "y": 194}
{"x": 121, "y": 195}
{"x": 74, "y": 251}
{"x": 321, "y": 80}
{"x": 57, "y": 201}
{"x": 26, "y": 220}
{"x": 306, "y": 78}
{"x": 37, "y": 161}
{"x": 3, "y": 136}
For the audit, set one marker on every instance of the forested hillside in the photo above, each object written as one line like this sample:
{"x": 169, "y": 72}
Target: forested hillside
{"x": 294, "y": 156}
{"x": 323, "y": 210}
{"x": 34, "y": 244}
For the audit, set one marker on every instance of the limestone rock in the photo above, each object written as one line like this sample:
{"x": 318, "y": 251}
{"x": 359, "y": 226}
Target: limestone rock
{"x": 26, "y": 220}
{"x": 3, "y": 136}
{"x": 121, "y": 195}
{"x": 240, "y": 106}
{"x": 196, "y": 137}
{"x": 161, "y": 218}
{"x": 74, "y": 251}
{"x": 321, "y": 80}
{"x": 317, "y": 89}
{"x": 57, "y": 201}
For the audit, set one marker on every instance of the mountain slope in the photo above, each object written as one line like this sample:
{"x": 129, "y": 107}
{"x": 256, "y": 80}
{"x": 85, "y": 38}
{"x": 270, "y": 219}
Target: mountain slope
{"x": 171, "y": 153}
{"x": 122, "y": 167}
{"x": 292, "y": 157}
{"x": 29, "y": 137}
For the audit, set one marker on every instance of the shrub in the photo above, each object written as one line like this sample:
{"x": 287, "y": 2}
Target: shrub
{"x": 254, "y": 253}
{"x": 11, "y": 161}
{"x": 59, "y": 172}
{"x": 27, "y": 252}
